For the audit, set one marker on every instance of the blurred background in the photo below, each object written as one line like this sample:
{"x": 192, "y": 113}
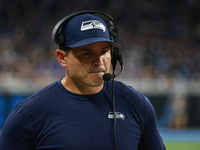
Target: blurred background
{"x": 160, "y": 47}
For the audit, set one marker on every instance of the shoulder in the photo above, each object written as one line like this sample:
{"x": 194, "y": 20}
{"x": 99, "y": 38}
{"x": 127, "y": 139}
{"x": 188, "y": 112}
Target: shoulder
{"x": 46, "y": 90}
{"x": 35, "y": 105}
{"x": 47, "y": 93}
{"x": 28, "y": 114}
{"x": 38, "y": 100}
{"x": 128, "y": 91}
{"x": 132, "y": 98}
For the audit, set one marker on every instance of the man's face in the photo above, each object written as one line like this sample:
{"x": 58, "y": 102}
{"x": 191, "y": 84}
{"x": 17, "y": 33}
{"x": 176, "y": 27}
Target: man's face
{"x": 86, "y": 65}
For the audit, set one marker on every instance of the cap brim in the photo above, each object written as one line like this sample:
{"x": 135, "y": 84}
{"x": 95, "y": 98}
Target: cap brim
{"x": 93, "y": 40}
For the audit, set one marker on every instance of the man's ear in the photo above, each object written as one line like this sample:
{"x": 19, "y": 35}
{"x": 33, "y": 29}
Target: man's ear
{"x": 60, "y": 54}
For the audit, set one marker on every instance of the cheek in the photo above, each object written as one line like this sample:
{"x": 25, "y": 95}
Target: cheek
{"x": 107, "y": 57}
{"x": 108, "y": 62}
{"x": 75, "y": 67}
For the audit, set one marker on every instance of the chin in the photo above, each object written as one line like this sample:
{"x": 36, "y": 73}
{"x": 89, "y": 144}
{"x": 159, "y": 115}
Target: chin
{"x": 95, "y": 79}
{"x": 97, "y": 82}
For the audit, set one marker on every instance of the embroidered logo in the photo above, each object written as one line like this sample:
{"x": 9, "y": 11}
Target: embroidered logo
{"x": 118, "y": 115}
{"x": 92, "y": 24}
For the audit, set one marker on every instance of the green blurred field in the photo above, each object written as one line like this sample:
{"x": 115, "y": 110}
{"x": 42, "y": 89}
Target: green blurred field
{"x": 182, "y": 145}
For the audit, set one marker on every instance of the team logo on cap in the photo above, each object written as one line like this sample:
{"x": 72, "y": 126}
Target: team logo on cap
{"x": 92, "y": 24}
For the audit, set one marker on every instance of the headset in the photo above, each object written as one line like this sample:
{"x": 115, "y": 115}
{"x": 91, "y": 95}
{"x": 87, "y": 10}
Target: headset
{"x": 59, "y": 38}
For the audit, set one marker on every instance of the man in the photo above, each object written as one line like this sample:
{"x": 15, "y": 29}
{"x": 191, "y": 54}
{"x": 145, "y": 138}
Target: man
{"x": 76, "y": 112}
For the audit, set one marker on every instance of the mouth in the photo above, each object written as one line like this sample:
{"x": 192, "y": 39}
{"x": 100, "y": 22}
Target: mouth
{"x": 97, "y": 70}
{"x": 97, "y": 73}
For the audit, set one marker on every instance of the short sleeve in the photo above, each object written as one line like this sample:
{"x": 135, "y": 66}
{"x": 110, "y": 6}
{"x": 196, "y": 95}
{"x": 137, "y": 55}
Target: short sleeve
{"x": 150, "y": 138}
{"x": 15, "y": 133}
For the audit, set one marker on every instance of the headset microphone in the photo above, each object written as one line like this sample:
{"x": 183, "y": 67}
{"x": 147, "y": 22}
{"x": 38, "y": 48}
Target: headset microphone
{"x": 107, "y": 76}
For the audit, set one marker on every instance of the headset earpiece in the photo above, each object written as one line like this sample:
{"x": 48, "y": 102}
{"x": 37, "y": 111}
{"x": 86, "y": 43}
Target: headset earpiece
{"x": 115, "y": 51}
{"x": 114, "y": 56}
{"x": 60, "y": 39}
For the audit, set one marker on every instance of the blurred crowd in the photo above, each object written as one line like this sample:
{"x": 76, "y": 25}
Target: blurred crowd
{"x": 160, "y": 39}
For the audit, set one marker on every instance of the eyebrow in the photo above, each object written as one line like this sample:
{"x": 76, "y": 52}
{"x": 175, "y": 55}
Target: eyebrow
{"x": 88, "y": 49}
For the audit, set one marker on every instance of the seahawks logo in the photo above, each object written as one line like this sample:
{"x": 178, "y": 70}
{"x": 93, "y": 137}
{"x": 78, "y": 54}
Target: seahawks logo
{"x": 92, "y": 24}
{"x": 118, "y": 115}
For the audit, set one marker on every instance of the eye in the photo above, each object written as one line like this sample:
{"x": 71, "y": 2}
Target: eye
{"x": 105, "y": 50}
{"x": 86, "y": 53}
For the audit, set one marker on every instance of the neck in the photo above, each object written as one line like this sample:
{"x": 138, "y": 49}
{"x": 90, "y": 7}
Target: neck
{"x": 79, "y": 88}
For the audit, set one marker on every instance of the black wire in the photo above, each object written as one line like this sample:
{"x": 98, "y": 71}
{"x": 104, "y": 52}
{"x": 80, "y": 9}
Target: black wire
{"x": 114, "y": 127}
{"x": 113, "y": 98}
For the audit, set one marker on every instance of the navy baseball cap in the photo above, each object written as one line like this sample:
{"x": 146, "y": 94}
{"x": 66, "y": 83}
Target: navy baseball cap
{"x": 86, "y": 29}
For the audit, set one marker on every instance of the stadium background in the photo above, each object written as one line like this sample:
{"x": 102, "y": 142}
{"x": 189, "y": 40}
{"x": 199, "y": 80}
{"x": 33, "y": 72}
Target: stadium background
{"x": 160, "y": 46}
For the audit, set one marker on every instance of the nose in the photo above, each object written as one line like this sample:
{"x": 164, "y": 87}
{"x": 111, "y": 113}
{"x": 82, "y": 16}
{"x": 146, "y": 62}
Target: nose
{"x": 99, "y": 60}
